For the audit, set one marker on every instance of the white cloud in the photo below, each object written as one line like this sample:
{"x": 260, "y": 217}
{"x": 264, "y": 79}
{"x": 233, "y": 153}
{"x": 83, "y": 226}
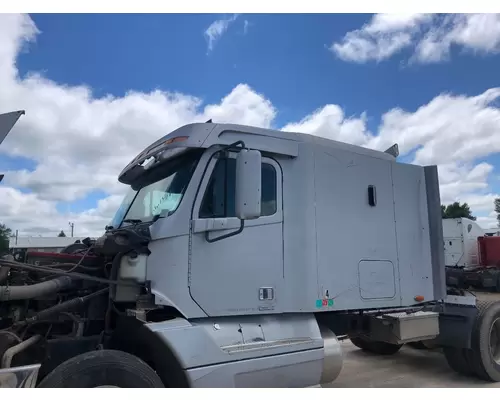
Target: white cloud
{"x": 331, "y": 123}
{"x": 216, "y": 29}
{"x": 450, "y": 131}
{"x": 384, "y": 36}
{"x": 431, "y": 36}
{"x": 466, "y": 183}
{"x": 33, "y": 216}
{"x": 80, "y": 142}
{"x": 246, "y": 25}
{"x": 488, "y": 221}
{"x": 465, "y": 126}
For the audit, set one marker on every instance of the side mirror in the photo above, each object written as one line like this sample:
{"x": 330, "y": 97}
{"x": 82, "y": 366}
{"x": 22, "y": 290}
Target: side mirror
{"x": 248, "y": 184}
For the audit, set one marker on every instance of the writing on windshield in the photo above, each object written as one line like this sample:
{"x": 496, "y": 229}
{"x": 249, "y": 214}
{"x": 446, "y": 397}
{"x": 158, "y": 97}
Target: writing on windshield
{"x": 162, "y": 202}
{"x": 162, "y": 195}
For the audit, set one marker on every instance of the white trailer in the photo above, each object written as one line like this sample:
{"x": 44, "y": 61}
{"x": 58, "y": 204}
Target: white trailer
{"x": 460, "y": 242}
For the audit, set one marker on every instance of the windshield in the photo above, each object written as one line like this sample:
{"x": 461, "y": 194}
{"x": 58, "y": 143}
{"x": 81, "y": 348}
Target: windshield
{"x": 159, "y": 191}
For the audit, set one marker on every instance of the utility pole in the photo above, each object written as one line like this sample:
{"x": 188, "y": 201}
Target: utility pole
{"x": 72, "y": 226}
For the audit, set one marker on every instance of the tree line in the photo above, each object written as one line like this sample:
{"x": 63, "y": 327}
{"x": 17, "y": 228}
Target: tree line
{"x": 457, "y": 210}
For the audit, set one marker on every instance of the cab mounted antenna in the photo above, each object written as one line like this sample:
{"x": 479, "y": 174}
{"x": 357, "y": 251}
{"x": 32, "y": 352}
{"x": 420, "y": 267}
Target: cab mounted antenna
{"x": 393, "y": 150}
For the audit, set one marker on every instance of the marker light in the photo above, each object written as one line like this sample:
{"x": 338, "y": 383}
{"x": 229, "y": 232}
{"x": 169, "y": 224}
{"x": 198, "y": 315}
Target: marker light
{"x": 176, "y": 139}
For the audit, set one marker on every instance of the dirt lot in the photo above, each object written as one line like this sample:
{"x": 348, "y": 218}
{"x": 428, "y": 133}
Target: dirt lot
{"x": 408, "y": 368}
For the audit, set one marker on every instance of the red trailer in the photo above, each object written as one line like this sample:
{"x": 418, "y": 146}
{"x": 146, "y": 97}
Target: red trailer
{"x": 486, "y": 274}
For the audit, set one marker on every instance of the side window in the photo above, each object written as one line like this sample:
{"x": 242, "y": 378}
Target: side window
{"x": 218, "y": 201}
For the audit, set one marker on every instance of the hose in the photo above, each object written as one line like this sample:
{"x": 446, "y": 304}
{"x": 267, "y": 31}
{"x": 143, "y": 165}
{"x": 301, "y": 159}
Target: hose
{"x": 36, "y": 290}
{"x": 4, "y": 271}
{"x": 12, "y": 351}
{"x": 63, "y": 307}
{"x": 55, "y": 271}
{"x": 12, "y": 335}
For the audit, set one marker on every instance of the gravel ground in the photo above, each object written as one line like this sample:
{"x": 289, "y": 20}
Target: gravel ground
{"x": 407, "y": 368}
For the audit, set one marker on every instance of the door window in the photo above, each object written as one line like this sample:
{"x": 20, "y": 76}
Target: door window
{"x": 219, "y": 198}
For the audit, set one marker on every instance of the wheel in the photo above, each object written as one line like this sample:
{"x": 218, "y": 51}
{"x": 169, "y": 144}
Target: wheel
{"x": 459, "y": 360}
{"x": 381, "y": 348}
{"x": 485, "y": 342}
{"x": 360, "y": 343}
{"x": 102, "y": 368}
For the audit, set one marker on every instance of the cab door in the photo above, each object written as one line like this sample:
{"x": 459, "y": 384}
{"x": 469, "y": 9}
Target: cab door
{"x": 243, "y": 273}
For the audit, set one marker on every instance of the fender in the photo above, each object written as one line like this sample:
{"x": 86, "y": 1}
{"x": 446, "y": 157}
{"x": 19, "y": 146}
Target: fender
{"x": 134, "y": 337}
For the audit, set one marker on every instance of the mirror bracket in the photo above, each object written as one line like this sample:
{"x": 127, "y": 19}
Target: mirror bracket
{"x": 224, "y": 153}
{"x": 239, "y": 145}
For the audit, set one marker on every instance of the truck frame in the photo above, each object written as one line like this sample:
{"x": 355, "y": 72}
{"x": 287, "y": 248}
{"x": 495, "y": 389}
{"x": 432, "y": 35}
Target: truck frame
{"x": 241, "y": 257}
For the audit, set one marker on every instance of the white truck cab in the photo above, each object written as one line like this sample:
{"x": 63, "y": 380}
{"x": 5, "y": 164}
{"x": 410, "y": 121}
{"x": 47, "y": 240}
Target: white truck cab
{"x": 241, "y": 256}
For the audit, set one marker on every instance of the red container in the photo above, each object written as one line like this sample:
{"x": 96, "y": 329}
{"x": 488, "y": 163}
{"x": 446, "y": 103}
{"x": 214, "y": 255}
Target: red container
{"x": 489, "y": 251}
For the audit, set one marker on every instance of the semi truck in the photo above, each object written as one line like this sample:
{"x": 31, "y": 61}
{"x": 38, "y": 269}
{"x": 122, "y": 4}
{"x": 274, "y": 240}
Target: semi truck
{"x": 472, "y": 255}
{"x": 242, "y": 257}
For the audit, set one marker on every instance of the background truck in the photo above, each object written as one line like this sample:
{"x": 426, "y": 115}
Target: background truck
{"x": 239, "y": 258}
{"x": 472, "y": 255}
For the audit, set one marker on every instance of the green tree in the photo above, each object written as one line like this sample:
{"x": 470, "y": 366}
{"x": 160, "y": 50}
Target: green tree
{"x": 61, "y": 234}
{"x": 5, "y": 234}
{"x": 457, "y": 210}
{"x": 497, "y": 210}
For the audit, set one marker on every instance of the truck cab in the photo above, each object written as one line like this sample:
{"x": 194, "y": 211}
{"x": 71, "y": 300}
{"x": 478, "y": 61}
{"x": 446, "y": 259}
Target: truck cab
{"x": 240, "y": 257}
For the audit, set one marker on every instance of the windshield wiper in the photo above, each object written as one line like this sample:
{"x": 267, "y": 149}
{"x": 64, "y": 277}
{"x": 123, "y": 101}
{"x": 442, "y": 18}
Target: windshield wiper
{"x": 132, "y": 221}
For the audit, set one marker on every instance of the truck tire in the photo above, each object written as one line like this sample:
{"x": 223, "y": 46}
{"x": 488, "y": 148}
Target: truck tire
{"x": 485, "y": 342}
{"x": 360, "y": 343}
{"x": 102, "y": 368}
{"x": 459, "y": 360}
{"x": 371, "y": 346}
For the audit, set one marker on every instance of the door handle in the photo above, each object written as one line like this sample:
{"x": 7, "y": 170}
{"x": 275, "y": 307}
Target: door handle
{"x": 215, "y": 224}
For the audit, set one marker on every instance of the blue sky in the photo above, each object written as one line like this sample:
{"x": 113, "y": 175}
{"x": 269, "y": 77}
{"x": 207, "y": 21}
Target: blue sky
{"x": 286, "y": 59}
{"x": 283, "y": 56}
